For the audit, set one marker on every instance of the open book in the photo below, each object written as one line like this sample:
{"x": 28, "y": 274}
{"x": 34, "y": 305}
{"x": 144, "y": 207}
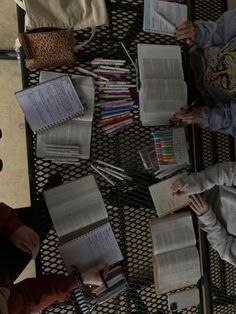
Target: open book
{"x": 163, "y": 199}
{"x": 163, "y": 90}
{"x": 162, "y": 17}
{"x": 80, "y": 218}
{"x": 50, "y": 103}
{"x": 52, "y": 143}
{"x": 175, "y": 256}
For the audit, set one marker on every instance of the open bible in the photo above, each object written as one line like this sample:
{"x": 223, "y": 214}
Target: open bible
{"x": 175, "y": 256}
{"x": 163, "y": 90}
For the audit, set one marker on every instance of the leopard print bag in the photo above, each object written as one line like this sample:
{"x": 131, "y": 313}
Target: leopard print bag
{"x": 48, "y": 47}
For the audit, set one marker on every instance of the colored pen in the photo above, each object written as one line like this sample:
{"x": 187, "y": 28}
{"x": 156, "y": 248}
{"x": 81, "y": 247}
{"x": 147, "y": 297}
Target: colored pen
{"x": 91, "y": 73}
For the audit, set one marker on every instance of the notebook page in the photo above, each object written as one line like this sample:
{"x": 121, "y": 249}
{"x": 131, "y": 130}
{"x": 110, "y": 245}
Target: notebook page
{"x": 163, "y": 199}
{"x": 174, "y": 12}
{"x": 172, "y": 233}
{"x": 49, "y": 103}
{"x": 91, "y": 249}
{"x": 74, "y": 132}
{"x": 75, "y": 205}
{"x": 84, "y": 87}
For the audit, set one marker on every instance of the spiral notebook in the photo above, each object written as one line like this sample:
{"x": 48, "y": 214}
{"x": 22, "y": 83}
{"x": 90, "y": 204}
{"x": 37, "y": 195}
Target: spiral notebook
{"x": 50, "y": 103}
{"x": 80, "y": 218}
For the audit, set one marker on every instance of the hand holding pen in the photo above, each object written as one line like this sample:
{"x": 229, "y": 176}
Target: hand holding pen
{"x": 179, "y": 187}
{"x": 187, "y": 115}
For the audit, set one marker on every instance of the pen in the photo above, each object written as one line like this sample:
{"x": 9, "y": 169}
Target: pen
{"x": 166, "y": 20}
{"x": 129, "y": 56}
{"x": 109, "y": 165}
{"x": 184, "y": 187}
{"x": 103, "y": 175}
{"x": 105, "y": 67}
{"x": 106, "y": 170}
{"x": 103, "y": 279}
{"x": 91, "y": 73}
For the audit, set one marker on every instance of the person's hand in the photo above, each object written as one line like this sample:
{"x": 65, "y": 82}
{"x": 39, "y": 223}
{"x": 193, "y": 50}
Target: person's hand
{"x": 4, "y": 295}
{"x": 198, "y": 204}
{"x": 186, "y": 31}
{"x": 184, "y": 117}
{"x": 92, "y": 276}
{"x": 27, "y": 240}
{"x": 177, "y": 186}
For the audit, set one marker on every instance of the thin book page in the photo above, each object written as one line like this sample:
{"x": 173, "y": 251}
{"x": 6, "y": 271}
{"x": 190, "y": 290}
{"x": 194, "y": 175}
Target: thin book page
{"x": 174, "y": 12}
{"x": 172, "y": 232}
{"x": 177, "y": 269}
{"x": 75, "y": 205}
{"x": 49, "y": 103}
{"x": 163, "y": 199}
{"x": 160, "y": 62}
{"x": 164, "y": 90}
{"x": 95, "y": 247}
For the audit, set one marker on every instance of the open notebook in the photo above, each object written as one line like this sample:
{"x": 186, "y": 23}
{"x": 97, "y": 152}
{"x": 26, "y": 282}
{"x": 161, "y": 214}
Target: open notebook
{"x": 73, "y": 133}
{"x": 50, "y": 103}
{"x": 163, "y": 90}
{"x": 175, "y": 257}
{"x": 80, "y": 218}
{"x": 163, "y": 199}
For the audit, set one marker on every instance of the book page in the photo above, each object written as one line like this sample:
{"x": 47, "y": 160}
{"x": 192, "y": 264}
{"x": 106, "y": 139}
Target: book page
{"x": 49, "y": 103}
{"x": 75, "y": 205}
{"x": 172, "y": 232}
{"x": 163, "y": 199}
{"x": 91, "y": 249}
{"x": 164, "y": 90}
{"x": 177, "y": 269}
{"x": 159, "y": 62}
{"x": 153, "y": 22}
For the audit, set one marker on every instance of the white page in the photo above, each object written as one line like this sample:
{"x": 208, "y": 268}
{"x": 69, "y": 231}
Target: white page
{"x": 172, "y": 11}
{"x": 49, "y": 103}
{"x": 165, "y": 90}
{"x": 172, "y": 233}
{"x": 73, "y": 132}
{"x": 178, "y": 268}
{"x": 160, "y": 62}
{"x": 75, "y": 205}
{"x": 163, "y": 199}
{"x": 84, "y": 87}
{"x": 180, "y": 146}
{"x": 98, "y": 246}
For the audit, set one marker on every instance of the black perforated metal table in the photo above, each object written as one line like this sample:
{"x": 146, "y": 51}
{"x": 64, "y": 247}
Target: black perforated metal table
{"x": 130, "y": 207}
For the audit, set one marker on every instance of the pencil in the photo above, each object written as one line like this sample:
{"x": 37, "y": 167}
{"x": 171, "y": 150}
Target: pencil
{"x": 103, "y": 175}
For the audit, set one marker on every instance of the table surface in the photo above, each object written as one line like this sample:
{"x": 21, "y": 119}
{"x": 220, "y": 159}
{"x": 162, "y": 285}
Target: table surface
{"x": 129, "y": 206}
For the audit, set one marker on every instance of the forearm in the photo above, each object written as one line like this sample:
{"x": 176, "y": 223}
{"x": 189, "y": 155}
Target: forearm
{"x": 219, "y": 174}
{"x": 39, "y": 293}
{"x": 219, "y": 33}
{"x": 8, "y": 220}
{"x": 219, "y": 239}
{"x": 221, "y": 118}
